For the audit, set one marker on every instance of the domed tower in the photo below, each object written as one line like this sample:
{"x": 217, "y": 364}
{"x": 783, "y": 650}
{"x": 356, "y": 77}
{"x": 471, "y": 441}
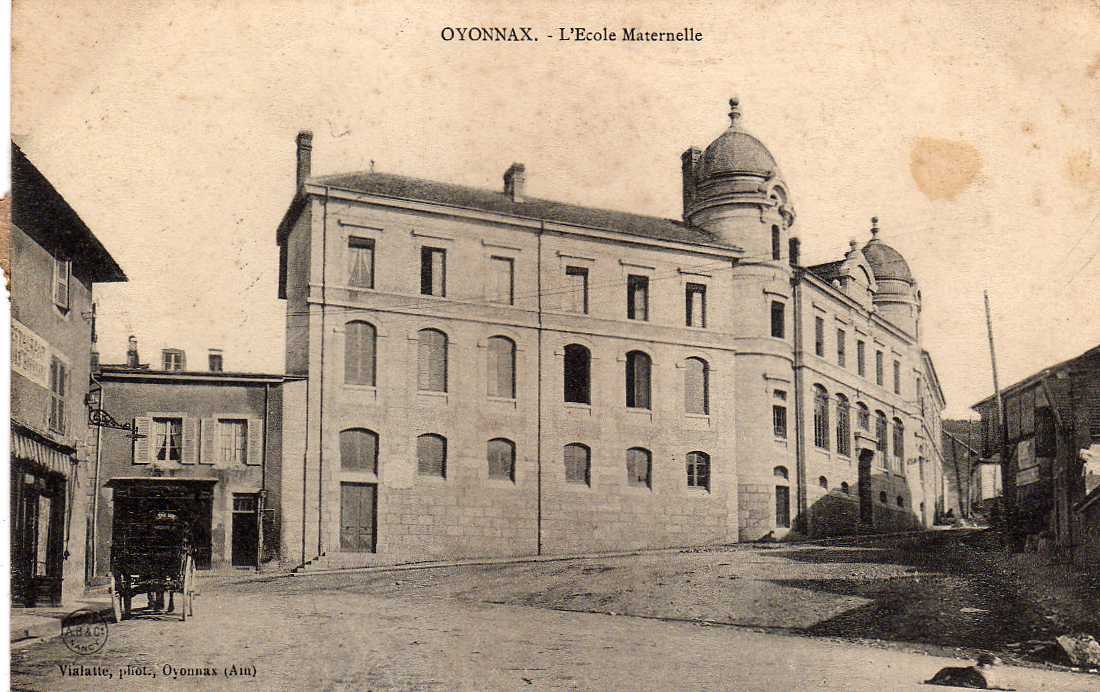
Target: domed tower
{"x": 897, "y": 296}
{"x": 734, "y": 190}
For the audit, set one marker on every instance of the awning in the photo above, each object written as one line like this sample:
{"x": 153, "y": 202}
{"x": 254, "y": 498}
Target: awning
{"x": 29, "y": 449}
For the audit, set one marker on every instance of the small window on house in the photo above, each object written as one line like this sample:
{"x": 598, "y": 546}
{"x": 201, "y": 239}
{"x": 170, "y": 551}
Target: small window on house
{"x": 501, "y": 280}
{"x": 431, "y": 347}
{"x": 821, "y": 417}
{"x": 698, "y": 470}
{"x": 638, "y": 367}
{"x": 637, "y": 297}
{"x": 501, "y": 455}
{"x": 173, "y": 359}
{"x": 779, "y": 415}
{"x": 843, "y": 426}
{"x": 823, "y": 482}
{"x": 879, "y": 368}
{"x": 861, "y": 358}
{"x": 359, "y": 450}
{"x": 696, "y": 386}
{"x": 777, "y": 244}
{"x": 501, "y": 380}
{"x": 882, "y": 497}
{"x": 59, "y": 384}
{"x": 360, "y": 262}
{"x": 431, "y": 455}
{"x": 168, "y": 438}
{"x": 779, "y": 326}
{"x": 844, "y": 487}
{"x": 841, "y": 348}
{"x": 578, "y": 372}
{"x": 360, "y": 339}
{"x": 216, "y": 362}
{"x": 576, "y": 281}
{"x": 62, "y": 271}
{"x": 577, "y": 459}
{"x": 819, "y": 336}
{"x": 897, "y": 377}
{"x": 433, "y": 271}
{"x": 781, "y": 472}
{"x": 233, "y": 434}
{"x": 638, "y": 466}
{"x": 696, "y": 305}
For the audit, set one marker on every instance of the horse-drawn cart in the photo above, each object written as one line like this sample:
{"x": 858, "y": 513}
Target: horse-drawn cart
{"x": 152, "y": 553}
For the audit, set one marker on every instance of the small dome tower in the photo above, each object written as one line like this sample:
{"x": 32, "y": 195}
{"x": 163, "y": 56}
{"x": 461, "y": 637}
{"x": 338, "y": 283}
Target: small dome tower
{"x": 734, "y": 190}
{"x": 897, "y": 296}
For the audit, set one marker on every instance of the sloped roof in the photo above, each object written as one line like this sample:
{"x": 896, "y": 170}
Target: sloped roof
{"x": 419, "y": 189}
{"x": 827, "y": 271}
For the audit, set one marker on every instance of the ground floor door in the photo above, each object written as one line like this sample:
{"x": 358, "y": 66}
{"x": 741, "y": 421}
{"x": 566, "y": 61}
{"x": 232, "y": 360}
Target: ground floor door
{"x": 37, "y": 536}
{"x": 866, "y": 508}
{"x": 782, "y": 507}
{"x": 245, "y": 531}
{"x": 358, "y": 509}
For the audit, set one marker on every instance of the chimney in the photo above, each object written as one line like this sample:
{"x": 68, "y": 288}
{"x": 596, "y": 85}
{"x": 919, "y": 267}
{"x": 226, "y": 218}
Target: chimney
{"x": 305, "y": 155}
{"x": 215, "y": 359}
{"x": 794, "y": 247}
{"x": 689, "y": 160}
{"x": 515, "y": 182}
{"x": 132, "y": 359}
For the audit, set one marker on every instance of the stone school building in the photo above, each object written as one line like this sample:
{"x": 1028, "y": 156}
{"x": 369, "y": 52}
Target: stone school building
{"x": 494, "y": 374}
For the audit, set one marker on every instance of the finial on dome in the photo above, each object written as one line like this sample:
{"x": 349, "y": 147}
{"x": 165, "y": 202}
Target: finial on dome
{"x": 735, "y": 110}
{"x": 874, "y": 227}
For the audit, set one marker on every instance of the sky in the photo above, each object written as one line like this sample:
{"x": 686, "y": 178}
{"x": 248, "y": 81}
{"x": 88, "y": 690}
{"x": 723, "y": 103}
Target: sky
{"x": 972, "y": 130}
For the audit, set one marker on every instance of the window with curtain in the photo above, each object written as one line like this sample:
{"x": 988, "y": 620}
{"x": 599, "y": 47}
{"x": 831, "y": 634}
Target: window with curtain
{"x": 234, "y": 440}
{"x": 843, "y": 425}
{"x": 698, "y": 470}
{"x": 577, "y": 459}
{"x": 501, "y": 373}
{"x": 502, "y": 459}
{"x": 696, "y": 386}
{"x": 638, "y": 366}
{"x": 431, "y": 455}
{"x": 359, "y": 450}
{"x": 431, "y": 345}
{"x": 361, "y": 262}
{"x": 578, "y": 374}
{"x": 821, "y": 417}
{"x": 637, "y": 297}
{"x": 360, "y": 339}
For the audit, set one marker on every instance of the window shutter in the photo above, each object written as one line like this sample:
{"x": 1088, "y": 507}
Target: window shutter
{"x": 209, "y": 441}
{"x": 190, "y": 440}
{"x": 255, "y": 454}
{"x": 142, "y": 445}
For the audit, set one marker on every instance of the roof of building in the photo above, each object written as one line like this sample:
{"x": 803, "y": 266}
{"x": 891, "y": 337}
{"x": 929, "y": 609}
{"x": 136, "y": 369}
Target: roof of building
{"x": 885, "y": 261}
{"x": 42, "y": 213}
{"x": 827, "y": 270}
{"x": 123, "y": 372}
{"x": 419, "y": 189}
{"x": 737, "y": 151}
{"x": 1093, "y": 352}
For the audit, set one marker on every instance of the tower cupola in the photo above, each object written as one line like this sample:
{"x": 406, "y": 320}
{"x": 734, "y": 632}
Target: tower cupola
{"x": 897, "y": 296}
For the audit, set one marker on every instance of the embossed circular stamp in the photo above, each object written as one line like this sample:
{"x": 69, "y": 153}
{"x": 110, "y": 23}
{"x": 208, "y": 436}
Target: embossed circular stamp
{"x": 84, "y": 631}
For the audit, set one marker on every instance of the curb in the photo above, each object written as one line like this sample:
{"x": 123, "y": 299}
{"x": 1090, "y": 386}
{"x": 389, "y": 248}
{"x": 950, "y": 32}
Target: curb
{"x": 50, "y": 627}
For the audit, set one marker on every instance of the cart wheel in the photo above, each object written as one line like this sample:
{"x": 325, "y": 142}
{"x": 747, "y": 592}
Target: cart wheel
{"x": 116, "y": 599}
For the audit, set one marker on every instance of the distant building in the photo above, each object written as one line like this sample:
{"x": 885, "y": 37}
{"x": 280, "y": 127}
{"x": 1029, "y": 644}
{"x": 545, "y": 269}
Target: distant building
{"x": 961, "y": 439}
{"x": 492, "y": 373}
{"x": 1052, "y": 437}
{"x": 55, "y": 262}
{"x": 211, "y": 450}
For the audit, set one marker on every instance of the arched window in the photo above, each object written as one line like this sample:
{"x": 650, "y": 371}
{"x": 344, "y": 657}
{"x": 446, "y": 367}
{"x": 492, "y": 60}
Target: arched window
{"x": 578, "y": 461}
{"x": 431, "y": 455}
{"x": 501, "y": 372}
{"x": 639, "y": 463}
{"x": 638, "y": 367}
{"x": 844, "y": 487}
{"x": 901, "y": 501}
{"x": 823, "y": 482}
{"x": 863, "y": 416}
{"x": 359, "y": 450}
{"x": 360, "y": 339}
{"x": 821, "y": 417}
{"x": 843, "y": 425}
{"x": 578, "y": 374}
{"x": 781, "y": 472}
{"x": 899, "y": 442}
{"x": 698, "y": 470}
{"x": 882, "y": 497}
{"x": 880, "y": 434}
{"x": 696, "y": 386}
{"x": 501, "y": 454}
{"x": 431, "y": 360}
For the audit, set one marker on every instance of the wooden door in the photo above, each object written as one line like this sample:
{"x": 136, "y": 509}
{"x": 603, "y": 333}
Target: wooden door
{"x": 782, "y": 507}
{"x": 357, "y": 517}
{"x": 245, "y": 531}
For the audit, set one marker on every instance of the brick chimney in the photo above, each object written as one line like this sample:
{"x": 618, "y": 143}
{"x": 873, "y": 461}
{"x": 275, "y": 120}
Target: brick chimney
{"x": 515, "y": 182}
{"x": 305, "y": 155}
{"x": 132, "y": 359}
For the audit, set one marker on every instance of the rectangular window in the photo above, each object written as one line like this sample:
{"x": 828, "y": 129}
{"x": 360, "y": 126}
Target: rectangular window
{"x": 841, "y": 348}
{"x": 433, "y": 271}
{"x": 173, "y": 359}
{"x": 234, "y": 440}
{"x": 62, "y": 270}
{"x": 168, "y": 438}
{"x": 897, "y": 377}
{"x": 779, "y": 322}
{"x": 861, "y": 358}
{"x": 215, "y": 362}
{"x": 696, "y": 305}
{"x": 779, "y": 421}
{"x": 878, "y": 368}
{"x": 576, "y": 280}
{"x": 361, "y": 262}
{"x": 59, "y": 382}
{"x": 501, "y": 280}
{"x": 637, "y": 297}
{"x": 777, "y": 243}
{"x": 819, "y": 336}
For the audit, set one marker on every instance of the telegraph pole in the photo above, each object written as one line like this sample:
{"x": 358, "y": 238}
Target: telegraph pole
{"x": 1008, "y": 482}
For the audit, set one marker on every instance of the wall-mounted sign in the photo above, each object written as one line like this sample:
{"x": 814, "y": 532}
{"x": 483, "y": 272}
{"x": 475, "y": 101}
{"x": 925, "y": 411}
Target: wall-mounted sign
{"x": 30, "y": 354}
{"x": 1025, "y": 454}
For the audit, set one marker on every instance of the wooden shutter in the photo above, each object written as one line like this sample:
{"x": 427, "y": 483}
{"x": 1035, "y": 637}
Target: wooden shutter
{"x": 143, "y": 445}
{"x": 208, "y": 453}
{"x": 255, "y": 455}
{"x": 190, "y": 443}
